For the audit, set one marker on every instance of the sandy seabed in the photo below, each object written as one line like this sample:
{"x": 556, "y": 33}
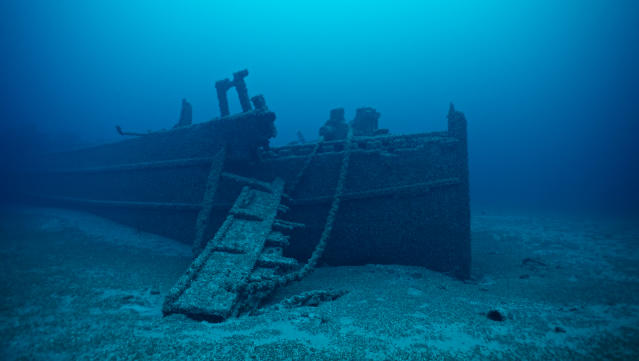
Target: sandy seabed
{"x": 77, "y": 287}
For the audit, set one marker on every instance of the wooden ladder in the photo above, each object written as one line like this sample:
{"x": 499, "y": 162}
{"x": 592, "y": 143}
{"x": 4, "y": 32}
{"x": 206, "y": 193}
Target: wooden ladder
{"x": 246, "y": 248}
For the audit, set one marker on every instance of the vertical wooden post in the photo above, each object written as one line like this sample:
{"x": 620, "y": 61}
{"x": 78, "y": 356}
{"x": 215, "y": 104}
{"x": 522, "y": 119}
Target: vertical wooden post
{"x": 242, "y": 91}
{"x": 222, "y": 86}
{"x": 207, "y": 201}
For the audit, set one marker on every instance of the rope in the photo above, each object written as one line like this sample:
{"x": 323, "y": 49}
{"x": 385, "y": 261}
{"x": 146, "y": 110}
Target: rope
{"x": 326, "y": 233}
{"x": 309, "y": 298}
{"x": 307, "y": 162}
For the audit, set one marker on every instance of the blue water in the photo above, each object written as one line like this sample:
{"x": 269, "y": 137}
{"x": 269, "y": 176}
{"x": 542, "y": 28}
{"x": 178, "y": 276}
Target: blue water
{"x": 549, "y": 88}
{"x": 550, "y": 92}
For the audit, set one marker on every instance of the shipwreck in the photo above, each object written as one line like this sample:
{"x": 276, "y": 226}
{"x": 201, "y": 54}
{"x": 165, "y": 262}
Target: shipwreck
{"x": 259, "y": 217}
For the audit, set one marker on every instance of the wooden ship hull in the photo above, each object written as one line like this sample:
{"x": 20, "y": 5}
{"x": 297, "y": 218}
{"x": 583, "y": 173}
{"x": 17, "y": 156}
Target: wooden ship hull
{"x": 403, "y": 199}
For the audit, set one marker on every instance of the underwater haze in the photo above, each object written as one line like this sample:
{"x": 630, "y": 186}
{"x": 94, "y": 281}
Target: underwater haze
{"x": 549, "y": 87}
{"x": 499, "y": 219}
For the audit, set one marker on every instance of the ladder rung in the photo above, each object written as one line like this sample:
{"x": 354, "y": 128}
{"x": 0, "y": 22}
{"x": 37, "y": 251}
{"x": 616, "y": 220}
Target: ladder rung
{"x": 277, "y": 239}
{"x": 273, "y": 261}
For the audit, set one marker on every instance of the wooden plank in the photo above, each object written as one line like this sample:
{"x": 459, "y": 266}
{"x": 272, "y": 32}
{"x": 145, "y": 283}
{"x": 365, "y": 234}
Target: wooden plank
{"x": 208, "y": 290}
{"x": 207, "y": 200}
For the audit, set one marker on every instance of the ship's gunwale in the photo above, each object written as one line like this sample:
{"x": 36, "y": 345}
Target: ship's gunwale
{"x": 360, "y": 144}
{"x": 394, "y": 143}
